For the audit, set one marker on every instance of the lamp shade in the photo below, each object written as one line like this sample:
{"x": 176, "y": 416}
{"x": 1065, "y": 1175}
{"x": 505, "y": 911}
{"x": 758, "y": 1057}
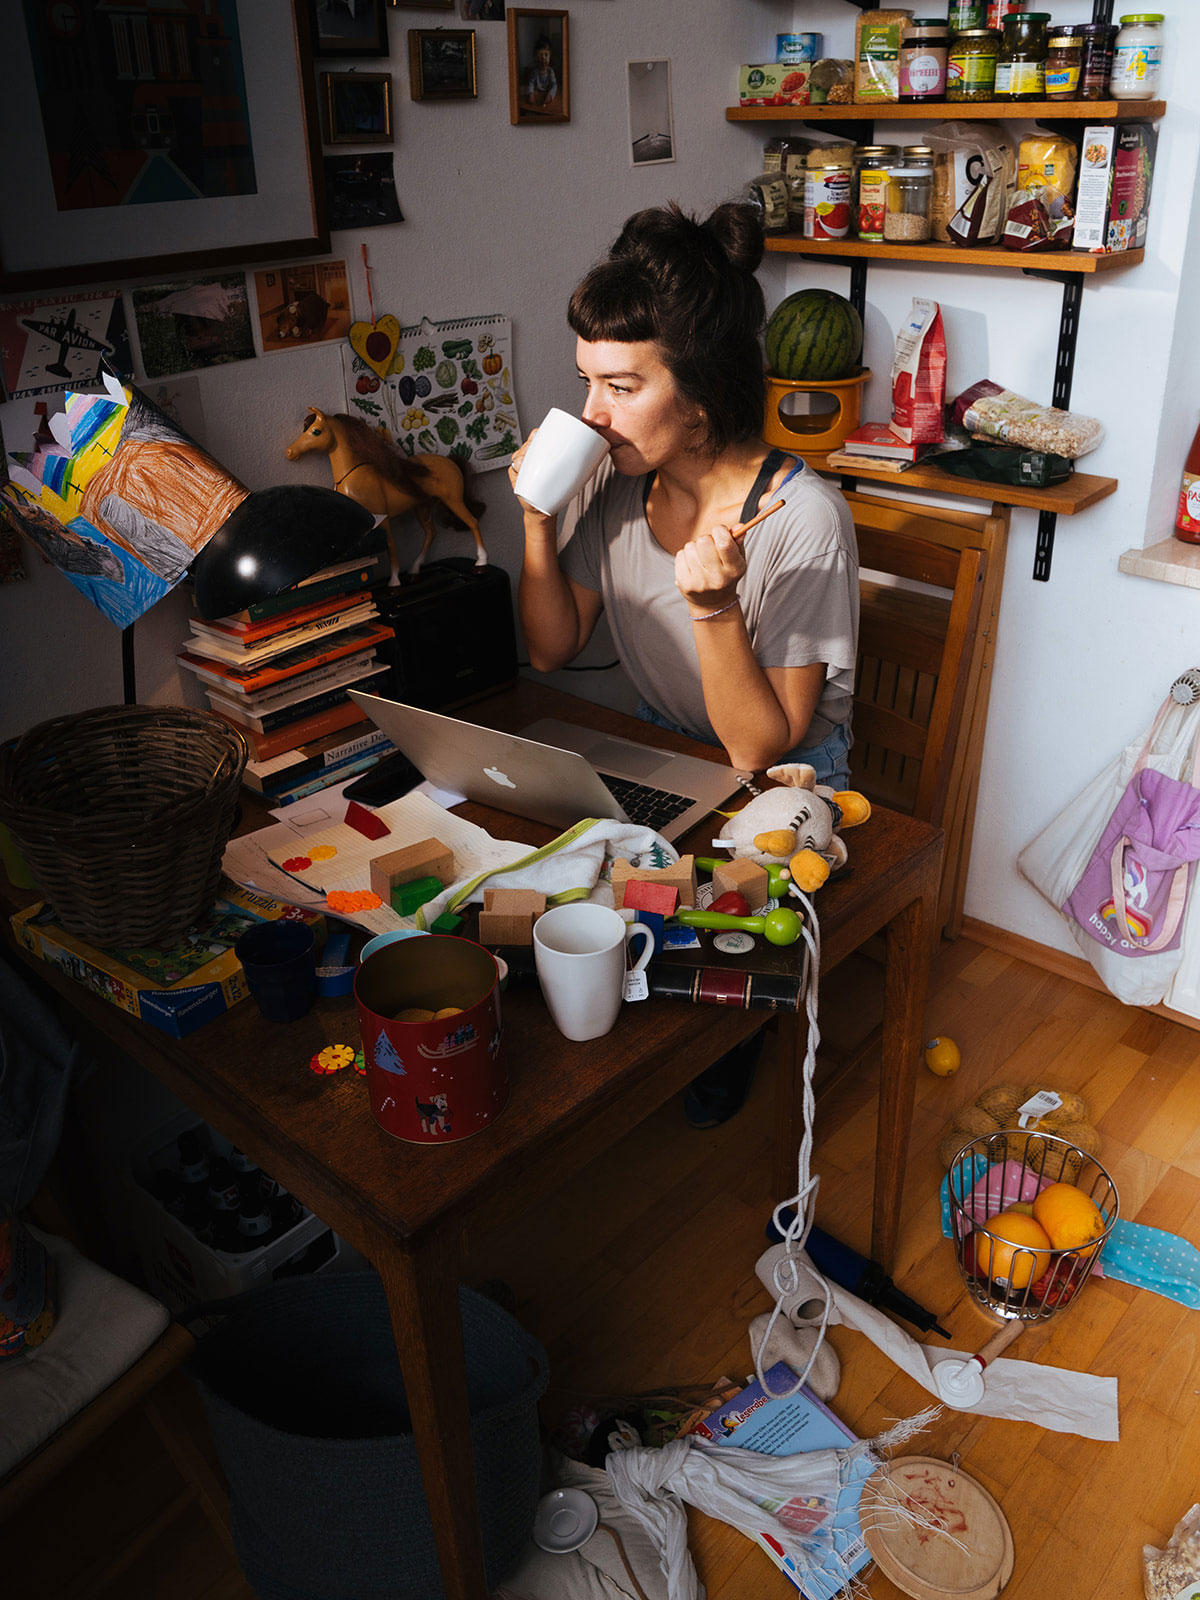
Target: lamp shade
{"x": 276, "y": 538}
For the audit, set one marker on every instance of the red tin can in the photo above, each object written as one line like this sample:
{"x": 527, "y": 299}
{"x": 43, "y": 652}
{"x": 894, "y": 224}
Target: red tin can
{"x": 438, "y": 1080}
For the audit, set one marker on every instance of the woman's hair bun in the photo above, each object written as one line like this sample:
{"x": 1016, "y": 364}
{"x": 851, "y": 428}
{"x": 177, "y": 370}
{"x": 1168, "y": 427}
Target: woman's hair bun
{"x": 738, "y": 230}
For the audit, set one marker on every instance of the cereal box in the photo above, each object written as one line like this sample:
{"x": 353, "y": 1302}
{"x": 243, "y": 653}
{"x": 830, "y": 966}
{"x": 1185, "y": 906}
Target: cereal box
{"x": 1112, "y": 204}
{"x": 777, "y": 83}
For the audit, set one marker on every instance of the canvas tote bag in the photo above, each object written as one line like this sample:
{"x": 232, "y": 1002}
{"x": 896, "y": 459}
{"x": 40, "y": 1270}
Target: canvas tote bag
{"x": 1119, "y": 860}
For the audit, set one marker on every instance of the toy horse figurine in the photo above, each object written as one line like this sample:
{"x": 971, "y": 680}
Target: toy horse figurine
{"x": 368, "y": 467}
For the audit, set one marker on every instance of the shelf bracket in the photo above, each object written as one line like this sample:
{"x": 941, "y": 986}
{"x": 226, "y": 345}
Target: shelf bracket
{"x": 1064, "y": 372}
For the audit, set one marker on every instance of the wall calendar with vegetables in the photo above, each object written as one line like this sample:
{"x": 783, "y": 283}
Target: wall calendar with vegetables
{"x": 449, "y": 391}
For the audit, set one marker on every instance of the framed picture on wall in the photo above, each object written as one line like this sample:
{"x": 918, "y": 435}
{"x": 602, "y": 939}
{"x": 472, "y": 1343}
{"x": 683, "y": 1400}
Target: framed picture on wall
{"x": 538, "y": 67}
{"x": 349, "y": 28}
{"x": 357, "y": 107}
{"x": 651, "y": 126}
{"x": 441, "y": 63}
{"x": 203, "y": 159}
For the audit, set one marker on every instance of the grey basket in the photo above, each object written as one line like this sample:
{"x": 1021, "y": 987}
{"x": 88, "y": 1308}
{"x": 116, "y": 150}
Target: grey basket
{"x": 303, "y": 1391}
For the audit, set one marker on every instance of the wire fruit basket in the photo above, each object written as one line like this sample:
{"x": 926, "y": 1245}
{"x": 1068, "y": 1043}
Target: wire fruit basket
{"x": 1006, "y": 1267}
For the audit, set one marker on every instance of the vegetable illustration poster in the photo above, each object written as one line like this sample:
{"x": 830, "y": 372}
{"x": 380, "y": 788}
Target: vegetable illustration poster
{"x": 448, "y": 391}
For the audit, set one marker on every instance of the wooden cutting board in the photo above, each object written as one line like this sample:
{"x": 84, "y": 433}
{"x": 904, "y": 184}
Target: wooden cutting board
{"x": 975, "y": 1563}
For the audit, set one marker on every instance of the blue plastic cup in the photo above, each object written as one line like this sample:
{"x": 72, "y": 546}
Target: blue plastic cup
{"x": 280, "y": 963}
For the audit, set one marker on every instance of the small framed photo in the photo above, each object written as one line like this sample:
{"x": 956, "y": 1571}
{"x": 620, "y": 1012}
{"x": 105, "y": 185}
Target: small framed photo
{"x": 441, "y": 63}
{"x": 349, "y": 28}
{"x": 651, "y": 132}
{"x": 538, "y": 67}
{"x": 481, "y": 10}
{"x": 356, "y": 107}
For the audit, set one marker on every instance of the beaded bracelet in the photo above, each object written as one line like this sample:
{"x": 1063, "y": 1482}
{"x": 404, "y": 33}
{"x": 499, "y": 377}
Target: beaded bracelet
{"x": 707, "y": 616}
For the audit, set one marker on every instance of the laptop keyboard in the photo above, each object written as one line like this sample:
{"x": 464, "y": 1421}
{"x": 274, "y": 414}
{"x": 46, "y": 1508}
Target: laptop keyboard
{"x": 653, "y": 808}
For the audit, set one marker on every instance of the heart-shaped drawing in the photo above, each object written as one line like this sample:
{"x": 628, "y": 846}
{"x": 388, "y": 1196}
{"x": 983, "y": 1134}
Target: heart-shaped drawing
{"x": 375, "y": 343}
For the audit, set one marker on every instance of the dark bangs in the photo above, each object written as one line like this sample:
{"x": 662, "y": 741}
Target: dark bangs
{"x": 614, "y": 304}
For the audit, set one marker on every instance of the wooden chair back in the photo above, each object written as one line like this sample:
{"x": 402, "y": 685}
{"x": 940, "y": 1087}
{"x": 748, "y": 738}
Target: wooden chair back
{"x": 920, "y": 674}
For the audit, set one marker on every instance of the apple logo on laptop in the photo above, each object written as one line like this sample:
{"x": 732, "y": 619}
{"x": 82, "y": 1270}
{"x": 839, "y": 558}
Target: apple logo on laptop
{"x": 499, "y": 777}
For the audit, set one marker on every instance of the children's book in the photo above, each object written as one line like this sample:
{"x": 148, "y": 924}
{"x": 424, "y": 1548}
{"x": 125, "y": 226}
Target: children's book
{"x": 322, "y": 755}
{"x": 785, "y": 1425}
{"x": 248, "y": 680}
{"x": 177, "y": 987}
{"x": 298, "y": 697}
{"x": 218, "y": 647}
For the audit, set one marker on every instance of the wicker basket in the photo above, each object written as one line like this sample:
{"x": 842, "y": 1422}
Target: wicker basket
{"x": 123, "y": 814}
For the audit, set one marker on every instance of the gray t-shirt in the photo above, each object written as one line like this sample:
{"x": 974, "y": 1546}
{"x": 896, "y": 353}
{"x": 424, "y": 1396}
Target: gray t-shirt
{"x": 799, "y": 597}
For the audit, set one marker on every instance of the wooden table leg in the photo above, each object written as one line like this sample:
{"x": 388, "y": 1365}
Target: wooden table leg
{"x": 422, "y": 1294}
{"x": 906, "y": 982}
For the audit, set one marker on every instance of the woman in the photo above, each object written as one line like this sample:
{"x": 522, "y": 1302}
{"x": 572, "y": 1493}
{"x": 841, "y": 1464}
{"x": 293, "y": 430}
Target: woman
{"x": 746, "y": 644}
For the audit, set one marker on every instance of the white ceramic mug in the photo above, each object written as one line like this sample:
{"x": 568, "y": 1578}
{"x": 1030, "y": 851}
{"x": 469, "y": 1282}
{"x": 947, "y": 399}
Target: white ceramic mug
{"x": 559, "y": 460}
{"x": 580, "y": 954}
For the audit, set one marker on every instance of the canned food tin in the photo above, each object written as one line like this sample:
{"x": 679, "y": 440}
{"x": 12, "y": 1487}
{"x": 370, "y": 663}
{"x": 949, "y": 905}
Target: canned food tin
{"x": 793, "y": 47}
{"x": 827, "y": 201}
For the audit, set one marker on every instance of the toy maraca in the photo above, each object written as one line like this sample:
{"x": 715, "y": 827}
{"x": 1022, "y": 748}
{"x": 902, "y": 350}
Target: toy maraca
{"x": 781, "y": 926}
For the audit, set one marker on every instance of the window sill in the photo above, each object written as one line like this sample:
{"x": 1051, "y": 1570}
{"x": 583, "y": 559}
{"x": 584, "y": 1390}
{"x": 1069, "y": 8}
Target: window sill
{"x": 1169, "y": 561}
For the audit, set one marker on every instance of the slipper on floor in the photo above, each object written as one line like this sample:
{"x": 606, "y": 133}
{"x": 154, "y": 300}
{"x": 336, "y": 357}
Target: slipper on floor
{"x": 720, "y": 1091}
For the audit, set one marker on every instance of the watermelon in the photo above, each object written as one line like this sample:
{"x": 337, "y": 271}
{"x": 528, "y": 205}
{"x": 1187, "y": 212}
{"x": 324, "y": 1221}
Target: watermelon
{"x": 814, "y": 334}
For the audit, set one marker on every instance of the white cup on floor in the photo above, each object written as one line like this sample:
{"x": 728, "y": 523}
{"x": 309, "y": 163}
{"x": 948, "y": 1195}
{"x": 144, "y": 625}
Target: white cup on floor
{"x": 580, "y": 955}
{"x": 559, "y": 460}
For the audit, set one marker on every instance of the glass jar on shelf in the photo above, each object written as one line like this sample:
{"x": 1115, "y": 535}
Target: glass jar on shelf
{"x": 1021, "y": 68}
{"x": 831, "y": 82}
{"x": 910, "y": 190}
{"x": 918, "y": 155}
{"x": 1064, "y": 62}
{"x": 924, "y": 45}
{"x": 971, "y": 65}
{"x": 871, "y": 165}
{"x": 1137, "y": 57}
{"x": 966, "y": 14}
{"x": 1096, "y": 67}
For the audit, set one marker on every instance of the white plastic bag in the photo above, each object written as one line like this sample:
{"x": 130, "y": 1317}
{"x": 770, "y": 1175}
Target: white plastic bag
{"x": 1055, "y": 860}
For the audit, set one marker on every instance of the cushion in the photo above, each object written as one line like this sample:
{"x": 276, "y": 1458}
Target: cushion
{"x": 104, "y": 1325}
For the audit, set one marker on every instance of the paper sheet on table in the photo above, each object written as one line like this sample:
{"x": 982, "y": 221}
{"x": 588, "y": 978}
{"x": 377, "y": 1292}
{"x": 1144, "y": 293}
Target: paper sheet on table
{"x": 255, "y": 859}
{"x": 1020, "y": 1391}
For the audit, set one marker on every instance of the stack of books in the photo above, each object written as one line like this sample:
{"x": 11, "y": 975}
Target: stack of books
{"x": 281, "y": 670}
{"x": 876, "y": 444}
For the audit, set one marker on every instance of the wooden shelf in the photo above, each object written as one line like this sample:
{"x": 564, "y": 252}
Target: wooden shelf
{"x": 955, "y": 255}
{"x": 959, "y": 110}
{"x": 1081, "y": 489}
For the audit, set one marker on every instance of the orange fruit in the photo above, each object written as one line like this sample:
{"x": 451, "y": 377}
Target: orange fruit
{"x": 1070, "y": 1217}
{"x": 1013, "y": 1250}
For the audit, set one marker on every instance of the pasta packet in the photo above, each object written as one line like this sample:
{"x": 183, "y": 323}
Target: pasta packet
{"x": 1175, "y": 1571}
{"x": 990, "y": 412}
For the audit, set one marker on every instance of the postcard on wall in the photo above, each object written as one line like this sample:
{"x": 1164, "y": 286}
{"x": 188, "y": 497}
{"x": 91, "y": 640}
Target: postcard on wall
{"x": 118, "y": 497}
{"x": 201, "y": 322}
{"x": 299, "y": 306}
{"x": 361, "y": 191}
{"x": 449, "y": 391}
{"x": 55, "y": 344}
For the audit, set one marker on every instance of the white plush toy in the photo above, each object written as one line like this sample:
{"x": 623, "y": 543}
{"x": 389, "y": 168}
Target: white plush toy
{"x": 796, "y": 825}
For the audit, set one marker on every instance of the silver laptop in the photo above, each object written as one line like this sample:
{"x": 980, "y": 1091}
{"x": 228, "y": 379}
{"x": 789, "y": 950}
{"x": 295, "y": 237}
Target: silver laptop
{"x": 554, "y": 772}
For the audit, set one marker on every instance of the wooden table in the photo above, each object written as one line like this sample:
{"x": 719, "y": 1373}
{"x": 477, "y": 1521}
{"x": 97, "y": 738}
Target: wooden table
{"x": 405, "y": 1206}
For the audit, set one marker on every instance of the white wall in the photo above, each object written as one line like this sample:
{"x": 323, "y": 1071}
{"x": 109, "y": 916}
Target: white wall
{"x": 506, "y": 219}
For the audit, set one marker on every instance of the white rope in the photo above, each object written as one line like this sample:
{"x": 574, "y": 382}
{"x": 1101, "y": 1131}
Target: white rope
{"x": 786, "y": 1278}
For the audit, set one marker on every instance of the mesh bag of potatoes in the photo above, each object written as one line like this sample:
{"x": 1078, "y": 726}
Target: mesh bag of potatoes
{"x": 998, "y": 1108}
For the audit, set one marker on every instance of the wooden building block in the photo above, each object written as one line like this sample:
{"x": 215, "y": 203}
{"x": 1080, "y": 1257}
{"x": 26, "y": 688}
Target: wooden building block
{"x": 658, "y": 898}
{"x": 680, "y": 875}
{"x": 428, "y": 858}
{"x": 743, "y": 875}
{"x": 508, "y": 915}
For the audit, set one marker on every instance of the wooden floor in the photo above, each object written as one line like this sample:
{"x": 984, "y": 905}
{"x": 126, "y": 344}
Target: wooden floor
{"x": 641, "y": 1274}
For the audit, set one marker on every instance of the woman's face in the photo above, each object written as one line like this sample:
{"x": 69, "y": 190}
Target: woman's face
{"x": 632, "y": 400}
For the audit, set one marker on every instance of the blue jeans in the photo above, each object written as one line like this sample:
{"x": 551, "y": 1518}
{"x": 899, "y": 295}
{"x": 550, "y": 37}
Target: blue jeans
{"x": 829, "y": 759}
